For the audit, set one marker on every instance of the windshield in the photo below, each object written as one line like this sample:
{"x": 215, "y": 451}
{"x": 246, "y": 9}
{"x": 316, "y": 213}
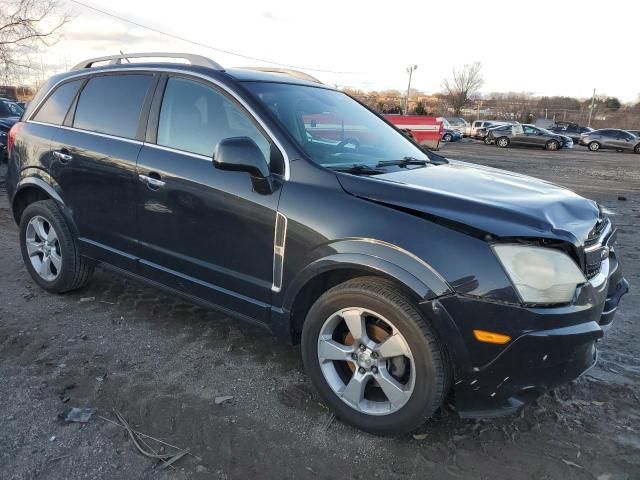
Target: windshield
{"x": 10, "y": 109}
{"x": 334, "y": 130}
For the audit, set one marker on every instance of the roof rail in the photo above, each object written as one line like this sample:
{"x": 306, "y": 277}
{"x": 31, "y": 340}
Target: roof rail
{"x": 118, "y": 59}
{"x": 285, "y": 71}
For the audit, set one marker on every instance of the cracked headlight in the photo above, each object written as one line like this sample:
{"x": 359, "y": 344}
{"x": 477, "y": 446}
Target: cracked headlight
{"x": 540, "y": 275}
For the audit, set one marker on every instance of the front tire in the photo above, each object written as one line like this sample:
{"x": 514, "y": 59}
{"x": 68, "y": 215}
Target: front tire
{"x": 552, "y": 145}
{"x": 486, "y": 141}
{"x": 593, "y": 146}
{"x": 49, "y": 250}
{"x": 502, "y": 142}
{"x": 373, "y": 358}
{"x": 637, "y": 149}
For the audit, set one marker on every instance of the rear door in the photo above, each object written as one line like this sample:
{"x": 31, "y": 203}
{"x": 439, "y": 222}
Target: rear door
{"x": 98, "y": 148}
{"x": 205, "y": 231}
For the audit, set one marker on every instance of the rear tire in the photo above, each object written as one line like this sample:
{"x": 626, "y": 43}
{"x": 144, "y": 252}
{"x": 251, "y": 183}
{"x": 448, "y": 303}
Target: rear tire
{"x": 382, "y": 307}
{"x": 637, "y": 149}
{"x": 50, "y": 251}
{"x": 594, "y": 146}
{"x": 486, "y": 141}
{"x": 447, "y": 137}
{"x": 503, "y": 142}
{"x": 552, "y": 145}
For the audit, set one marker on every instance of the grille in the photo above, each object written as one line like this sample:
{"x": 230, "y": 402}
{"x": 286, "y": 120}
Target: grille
{"x": 593, "y": 259}
{"x": 596, "y": 231}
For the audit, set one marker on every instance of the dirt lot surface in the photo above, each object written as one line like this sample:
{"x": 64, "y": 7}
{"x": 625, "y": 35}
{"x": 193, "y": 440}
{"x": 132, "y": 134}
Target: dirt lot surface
{"x": 162, "y": 363}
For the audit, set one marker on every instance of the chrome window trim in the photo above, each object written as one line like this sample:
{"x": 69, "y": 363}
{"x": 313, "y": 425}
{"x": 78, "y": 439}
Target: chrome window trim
{"x": 240, "y": 100}
{"x": 178, "y": 151}
{"x": 97, "y": 134}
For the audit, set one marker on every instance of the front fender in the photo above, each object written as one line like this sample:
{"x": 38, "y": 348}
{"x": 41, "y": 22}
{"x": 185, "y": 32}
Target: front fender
{"x": 377, "y": 257}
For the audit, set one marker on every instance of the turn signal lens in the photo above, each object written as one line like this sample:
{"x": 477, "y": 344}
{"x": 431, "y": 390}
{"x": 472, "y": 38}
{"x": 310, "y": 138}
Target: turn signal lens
{"x": 491, "y": 337}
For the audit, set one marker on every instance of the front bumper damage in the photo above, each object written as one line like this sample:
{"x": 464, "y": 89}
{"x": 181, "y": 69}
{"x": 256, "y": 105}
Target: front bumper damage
{"x": 549, "y": 347}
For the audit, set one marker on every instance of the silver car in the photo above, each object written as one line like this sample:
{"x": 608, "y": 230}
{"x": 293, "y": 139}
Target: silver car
{"x": 611, "y": 138}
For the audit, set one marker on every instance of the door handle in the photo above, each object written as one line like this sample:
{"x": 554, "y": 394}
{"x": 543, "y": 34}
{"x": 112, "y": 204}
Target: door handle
{"x": 151, "y": 182}
{"x": 63, "y": 157}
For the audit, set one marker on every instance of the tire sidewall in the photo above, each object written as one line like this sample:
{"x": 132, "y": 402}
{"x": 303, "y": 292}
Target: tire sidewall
{"x": 592, "y": 145}
{"x": 421, "y": 404}
{"x": 553, "y": 142}
{"x": 67, "y": 247}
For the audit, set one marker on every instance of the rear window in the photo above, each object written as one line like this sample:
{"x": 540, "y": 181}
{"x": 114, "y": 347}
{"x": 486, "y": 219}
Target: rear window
{"x": 112, "y": 104}
{"x": 57, "y": 105}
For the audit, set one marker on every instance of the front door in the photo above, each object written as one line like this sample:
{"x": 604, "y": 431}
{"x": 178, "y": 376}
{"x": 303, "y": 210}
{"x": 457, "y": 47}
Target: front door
{"x": 204, "y": 231}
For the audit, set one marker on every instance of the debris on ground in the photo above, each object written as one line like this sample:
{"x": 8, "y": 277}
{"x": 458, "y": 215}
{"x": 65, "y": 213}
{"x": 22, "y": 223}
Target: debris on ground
{"x": 77, "y": 415}
{"x": 87, "y": 299}
{"x": 223, "y": 399}
{"x": 138, "y": 439}
{"x": 621, "y": 198}
{"x": 419, "y": 436}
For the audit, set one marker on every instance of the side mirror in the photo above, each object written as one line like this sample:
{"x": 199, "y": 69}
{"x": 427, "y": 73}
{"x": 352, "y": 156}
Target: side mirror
{"x": 241, "y": 154}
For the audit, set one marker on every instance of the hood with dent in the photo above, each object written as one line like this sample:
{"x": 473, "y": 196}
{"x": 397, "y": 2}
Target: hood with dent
{"x": 494, "y": 201}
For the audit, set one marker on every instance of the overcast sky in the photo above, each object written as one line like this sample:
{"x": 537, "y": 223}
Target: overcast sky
{"x": 542, "y": 47}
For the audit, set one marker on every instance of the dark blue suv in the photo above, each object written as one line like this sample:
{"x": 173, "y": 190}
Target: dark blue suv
{"x": 407, "y": 277}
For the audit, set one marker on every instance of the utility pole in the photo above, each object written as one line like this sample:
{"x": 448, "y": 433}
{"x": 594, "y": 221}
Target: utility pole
{"x": 410, "y": 71}
{"x": 593, "y": 99}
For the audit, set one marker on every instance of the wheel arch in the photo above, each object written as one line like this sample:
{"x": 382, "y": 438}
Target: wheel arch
{"x": 419, "y": 281}
{"x": 31, "y": 189}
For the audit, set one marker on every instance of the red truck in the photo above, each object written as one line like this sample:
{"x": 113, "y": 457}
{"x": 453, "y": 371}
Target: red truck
{"x": 426, "y": 131}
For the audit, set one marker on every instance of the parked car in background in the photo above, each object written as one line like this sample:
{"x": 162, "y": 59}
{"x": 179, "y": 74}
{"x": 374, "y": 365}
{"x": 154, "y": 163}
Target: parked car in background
{"x": 527, "y": 136}
{"x": 571, "y": 129}
{"x": 635, "y": 133}
{"x": 458, "y": 124}
{"x": 449, "y": 135}
{"x": 409, "y": 280}
{"x": 10, "y": 113}
{"x": 612, "y": 139}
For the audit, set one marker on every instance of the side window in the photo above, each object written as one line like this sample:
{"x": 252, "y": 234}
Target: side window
{"x": 476, "y": 124}
{"x": 55, "y": 108}
{"x": 530, "y": 130}
{"x": 112, "y": 104}
{"x": 195, "y": 117}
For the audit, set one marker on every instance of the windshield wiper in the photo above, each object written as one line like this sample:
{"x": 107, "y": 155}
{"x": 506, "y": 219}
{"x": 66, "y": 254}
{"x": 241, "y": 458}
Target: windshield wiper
{"x": 358, "y": 169}
{"x": 404, "y": 162}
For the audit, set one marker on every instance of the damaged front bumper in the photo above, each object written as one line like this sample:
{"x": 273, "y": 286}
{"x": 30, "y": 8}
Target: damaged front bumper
{"x": 549, "y": 346}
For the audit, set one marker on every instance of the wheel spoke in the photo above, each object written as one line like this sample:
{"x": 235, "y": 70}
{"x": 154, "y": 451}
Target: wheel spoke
{"x": 56, "y": 260}
{"x": 45, "y": 267}
{"x": 353, "y": 393}
{"x": 332, "y": 350}
{"x": 33, "y": 247}
{"x": 356, "y": 325}
{"x": 39, "y": 228}
{"x": 52, "y": 236}
{"x": 395, "y": 392}
{"x": 393, "y": 346}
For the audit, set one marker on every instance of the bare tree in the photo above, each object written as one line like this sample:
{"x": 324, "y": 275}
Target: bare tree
{"x": 26, "y": 26}
{"x": 463, "y": 85}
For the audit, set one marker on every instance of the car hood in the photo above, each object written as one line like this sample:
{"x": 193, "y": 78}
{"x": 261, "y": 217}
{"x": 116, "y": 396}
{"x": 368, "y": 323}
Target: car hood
{"x": 7, "y": 122}
{"x": 494, "y": 201}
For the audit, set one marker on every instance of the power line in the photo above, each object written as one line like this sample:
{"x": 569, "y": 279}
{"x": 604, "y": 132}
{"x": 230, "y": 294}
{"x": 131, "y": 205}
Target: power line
{"x": 183, "y": 39}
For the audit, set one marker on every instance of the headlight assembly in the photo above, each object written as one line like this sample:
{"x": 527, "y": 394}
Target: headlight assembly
{"x": 540, "y": 275}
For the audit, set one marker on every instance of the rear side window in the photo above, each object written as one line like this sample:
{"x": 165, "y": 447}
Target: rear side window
{"x": 112, "y": 104}
{"x": 55, "y": 108}
{"x": 195, "y": 117}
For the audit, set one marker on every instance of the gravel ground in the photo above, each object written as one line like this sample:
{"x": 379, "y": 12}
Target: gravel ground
{"x": 162, "y": 363}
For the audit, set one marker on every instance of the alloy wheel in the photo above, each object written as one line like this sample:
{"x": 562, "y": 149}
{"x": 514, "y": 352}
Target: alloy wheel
{"x": 43, "y": 248}
{"x": 366, "y": 361}
{"x": 594, "y": 146}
